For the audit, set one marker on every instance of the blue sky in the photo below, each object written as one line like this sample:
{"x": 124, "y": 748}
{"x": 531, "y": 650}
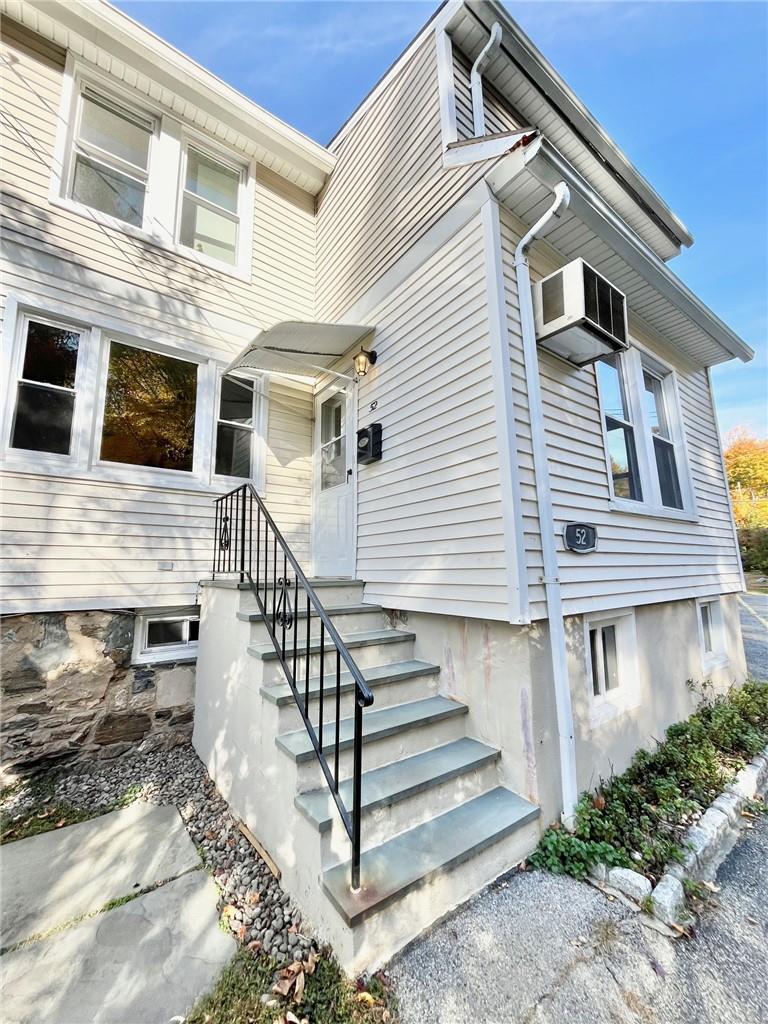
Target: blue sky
{"x": 681, "y": 87}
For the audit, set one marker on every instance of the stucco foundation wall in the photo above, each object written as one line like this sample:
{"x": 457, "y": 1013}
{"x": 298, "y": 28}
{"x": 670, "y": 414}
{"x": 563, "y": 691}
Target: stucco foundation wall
{"x": 488, "y": 666}
{"x": 668, "y": 656}
{"x": 69, "y": 691}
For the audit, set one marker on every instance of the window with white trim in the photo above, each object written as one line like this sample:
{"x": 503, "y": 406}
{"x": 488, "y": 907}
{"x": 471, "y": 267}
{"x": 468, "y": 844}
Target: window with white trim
{"x": 130, "y": 164}
{"x": 642, "y": 425}
{"x": 236, "y": 434}
{"x": 149, "y": 413}
{"x": 110, "y": 157}
{"x": 46, "y": 387}
{"x": 714, "y": 653}
{"x": 166, "y": 635}
{"x": 610, "y": 643}
{"x": 209, "y": 221}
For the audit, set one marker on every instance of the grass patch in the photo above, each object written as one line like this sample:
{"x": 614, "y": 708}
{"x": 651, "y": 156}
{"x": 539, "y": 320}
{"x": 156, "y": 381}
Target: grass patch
{"x": 46, "y": 812}
{"x": 638, "y": 819}
{"x": 244, "y": 995}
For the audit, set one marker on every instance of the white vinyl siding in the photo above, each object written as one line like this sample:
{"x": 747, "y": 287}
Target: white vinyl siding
{"x": 430, "y": 525}
{"x": 498, "y": 116}
{"x": 74, "y": 541}
{"x": 640, "y": 558}
{"x": 389, "y": 186}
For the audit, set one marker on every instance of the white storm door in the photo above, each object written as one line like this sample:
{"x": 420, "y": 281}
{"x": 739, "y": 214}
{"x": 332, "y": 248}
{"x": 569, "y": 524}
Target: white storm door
{"x": 333, "y": 527}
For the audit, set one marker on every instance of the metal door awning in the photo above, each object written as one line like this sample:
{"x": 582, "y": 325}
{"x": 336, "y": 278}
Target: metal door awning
{"x": 299, "y": 349}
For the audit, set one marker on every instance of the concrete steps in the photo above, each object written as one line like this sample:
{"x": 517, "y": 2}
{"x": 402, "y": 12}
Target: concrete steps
{"x": 413, "y": 858}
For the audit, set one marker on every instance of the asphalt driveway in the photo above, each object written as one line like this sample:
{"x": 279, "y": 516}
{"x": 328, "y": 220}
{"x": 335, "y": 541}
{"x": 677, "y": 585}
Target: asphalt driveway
{"x": 754, "y": 628}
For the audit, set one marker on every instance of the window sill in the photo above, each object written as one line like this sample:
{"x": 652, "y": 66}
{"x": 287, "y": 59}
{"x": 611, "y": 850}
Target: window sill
{"x": 711, "y": 662}
{"x": 184, "y": 656}
{"x": 150, "y": 238}
{"x": 637, "y": 508}
{"x": 609, "y": 709}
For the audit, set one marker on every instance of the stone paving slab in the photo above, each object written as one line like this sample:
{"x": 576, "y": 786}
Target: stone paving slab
{"x": 145, "y": 962}
{"x": 50, "y": 879}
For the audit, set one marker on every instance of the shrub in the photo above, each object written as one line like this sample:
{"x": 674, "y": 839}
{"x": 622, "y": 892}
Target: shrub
{"x": 754, "y": 549}
{"x": 638, "y": 819}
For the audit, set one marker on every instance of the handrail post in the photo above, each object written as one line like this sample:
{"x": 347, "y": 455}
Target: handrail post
{"x": 242, "y": 537}
{"x": 357, "y": 771}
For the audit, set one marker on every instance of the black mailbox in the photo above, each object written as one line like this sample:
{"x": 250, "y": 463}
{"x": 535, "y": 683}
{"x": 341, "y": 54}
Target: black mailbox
{"x": 369, "y": 443}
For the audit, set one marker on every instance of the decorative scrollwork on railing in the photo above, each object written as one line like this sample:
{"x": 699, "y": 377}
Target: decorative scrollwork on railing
{"x": 283, "y": 610}
{"x": 224, "y": 534}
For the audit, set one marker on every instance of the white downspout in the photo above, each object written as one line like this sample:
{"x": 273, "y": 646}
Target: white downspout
{"x": 569, "y": 786}
{"x": 476, "y": 79}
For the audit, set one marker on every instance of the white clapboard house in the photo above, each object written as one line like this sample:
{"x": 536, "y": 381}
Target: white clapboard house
{"x": 408, "y": 441}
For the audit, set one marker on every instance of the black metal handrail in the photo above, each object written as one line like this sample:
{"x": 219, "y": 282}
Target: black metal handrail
{"x": 251, "y": 554}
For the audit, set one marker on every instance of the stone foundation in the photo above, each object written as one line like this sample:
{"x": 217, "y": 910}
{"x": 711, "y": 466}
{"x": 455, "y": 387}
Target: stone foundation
{"x": 69, "y": 691}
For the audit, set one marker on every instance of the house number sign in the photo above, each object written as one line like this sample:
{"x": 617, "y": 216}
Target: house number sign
{"x": 580, "y": 537}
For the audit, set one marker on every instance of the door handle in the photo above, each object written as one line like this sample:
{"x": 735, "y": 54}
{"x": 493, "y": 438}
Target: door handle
{"x": 349, "y": 473}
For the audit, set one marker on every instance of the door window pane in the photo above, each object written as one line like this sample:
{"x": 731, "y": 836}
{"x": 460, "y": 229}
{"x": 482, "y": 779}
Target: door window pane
{"x": 163, "y": 632}
{"x": 207, "y": 231}
{"x": 333, "y": 462}
{"x": 108, "y": 190}
{"x": 43, "y": 419}
{"x": 212, "y": 181}
{"x": 621, "y": 451}
{"x": 108, "y": 128}
{"x": 149, "y": 411}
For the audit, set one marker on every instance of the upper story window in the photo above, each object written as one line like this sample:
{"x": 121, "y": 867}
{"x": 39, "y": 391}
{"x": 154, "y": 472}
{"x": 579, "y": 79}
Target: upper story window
{"x": 132, "y": 166}
{"x": 209, "y": 207}
{"x": 110, "y": 159}
{"x": 44, "y": 405}
{"x": 643, "y": 434}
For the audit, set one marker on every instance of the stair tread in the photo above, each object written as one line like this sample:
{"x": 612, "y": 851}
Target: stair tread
{"x": 340, "y": 609}
{"x": 375, "y": 675}
{"x": 410, "y": 859}
{"x": 365, "y": 638}
{"x": 396, "y": 781}
{"x": 376, "y": 725}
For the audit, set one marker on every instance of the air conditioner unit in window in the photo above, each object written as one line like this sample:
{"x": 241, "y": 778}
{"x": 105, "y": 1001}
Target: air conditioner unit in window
{"x": 579, "y": 315}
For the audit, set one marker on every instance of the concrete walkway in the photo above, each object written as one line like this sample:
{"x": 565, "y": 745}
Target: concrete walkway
{"x": 147, "y": 960}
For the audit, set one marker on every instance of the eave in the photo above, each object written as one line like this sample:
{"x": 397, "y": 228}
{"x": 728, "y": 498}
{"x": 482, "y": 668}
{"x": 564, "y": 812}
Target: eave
{"x": 108, "y": 38}
{"x": 523, "y": 181}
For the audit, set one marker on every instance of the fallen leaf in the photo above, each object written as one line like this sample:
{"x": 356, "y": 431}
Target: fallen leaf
{"x": 298, "y": 992}
{"x": 291, "y": 1018}
{"x": 752, "y": 920}
{"x": 254, "y": 946}
{"x": 283, "y": 987}
{"x": 309, "y": 963}
{"x": 365, "y": 997}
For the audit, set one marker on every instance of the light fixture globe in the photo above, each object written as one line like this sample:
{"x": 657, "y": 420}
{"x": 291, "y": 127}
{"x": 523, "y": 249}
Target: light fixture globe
{"x": 364, "y": 361}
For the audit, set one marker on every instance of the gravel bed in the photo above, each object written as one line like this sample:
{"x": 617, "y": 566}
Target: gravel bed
{"x": 250, "y": 899}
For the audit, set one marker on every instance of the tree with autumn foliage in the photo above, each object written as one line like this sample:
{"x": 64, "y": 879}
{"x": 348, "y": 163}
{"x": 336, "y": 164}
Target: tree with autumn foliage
{"x": 746, "y": 463}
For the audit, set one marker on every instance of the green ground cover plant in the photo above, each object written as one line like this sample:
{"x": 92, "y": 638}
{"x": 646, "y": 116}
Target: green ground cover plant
{"x": 41, "y": 811}
{"x": 638, "y": 819}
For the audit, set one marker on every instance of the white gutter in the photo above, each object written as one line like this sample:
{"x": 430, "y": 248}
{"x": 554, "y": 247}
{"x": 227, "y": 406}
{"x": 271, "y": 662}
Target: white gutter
{"x": 551, "y": 580}
{"x": 487, "y": 53}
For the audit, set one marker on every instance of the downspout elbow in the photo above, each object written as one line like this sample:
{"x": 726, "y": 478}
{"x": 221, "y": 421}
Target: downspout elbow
{"x": 560, "y": 202}
{"x": 476, "y": 79}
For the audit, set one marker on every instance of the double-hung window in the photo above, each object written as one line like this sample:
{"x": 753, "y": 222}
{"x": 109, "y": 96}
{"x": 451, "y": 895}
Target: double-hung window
{"x": 44, "y": 406}
{"x": 643, "y": 434}
{"x": 619, "y": 430}
{"x": 209, "y": 221}
{"x": 110, "y": 158}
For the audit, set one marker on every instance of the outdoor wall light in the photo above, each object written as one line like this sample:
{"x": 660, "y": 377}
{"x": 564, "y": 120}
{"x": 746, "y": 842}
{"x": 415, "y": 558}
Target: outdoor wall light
{"x": 364, "y": 361}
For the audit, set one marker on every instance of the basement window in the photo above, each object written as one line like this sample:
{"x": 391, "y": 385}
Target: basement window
{"x": 166, "y": 635}
{"x": 711, "y": 634}
{"x": 611, "y": 662}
